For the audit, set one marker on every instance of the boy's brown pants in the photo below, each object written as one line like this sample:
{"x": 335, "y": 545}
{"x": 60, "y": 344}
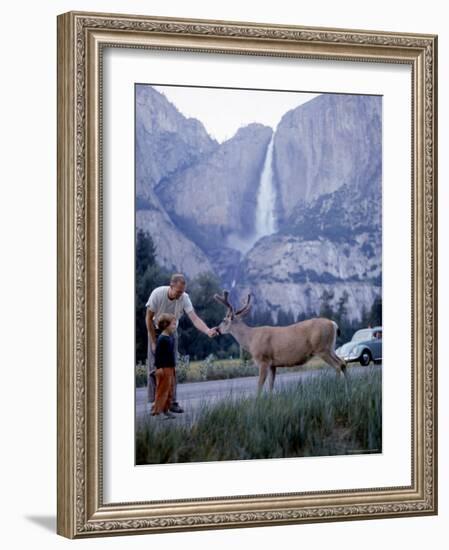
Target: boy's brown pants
{"x": 165, "y": 379}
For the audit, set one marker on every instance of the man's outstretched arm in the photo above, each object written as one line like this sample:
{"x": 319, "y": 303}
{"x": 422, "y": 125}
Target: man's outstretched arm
{"x": 201, "y": 325}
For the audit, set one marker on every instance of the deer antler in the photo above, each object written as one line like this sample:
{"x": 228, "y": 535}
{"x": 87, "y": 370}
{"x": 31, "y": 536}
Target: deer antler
{"x": 224, "y": 300}
{"x": 243, "y": 310}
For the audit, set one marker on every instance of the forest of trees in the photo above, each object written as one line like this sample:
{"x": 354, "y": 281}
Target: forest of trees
{"x": 149, "y": 275}
{"x": 339, "y": 314}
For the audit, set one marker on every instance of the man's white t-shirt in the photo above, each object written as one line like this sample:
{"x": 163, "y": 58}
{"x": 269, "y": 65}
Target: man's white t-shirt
{"x": 160, "y": 303}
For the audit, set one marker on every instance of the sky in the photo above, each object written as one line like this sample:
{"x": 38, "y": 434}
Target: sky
{"x": 223, "y": 110}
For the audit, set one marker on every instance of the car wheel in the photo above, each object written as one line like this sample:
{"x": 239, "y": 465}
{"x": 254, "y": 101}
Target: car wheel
{"x": 365, "y": 358}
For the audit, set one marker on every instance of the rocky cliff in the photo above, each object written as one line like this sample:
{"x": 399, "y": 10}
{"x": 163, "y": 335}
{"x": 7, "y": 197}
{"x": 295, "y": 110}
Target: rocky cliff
{"x": 328, "y": 170}
{"x": 331, "y": 141}
{"x": 199, "y": 201}
{"x": 166, "y": 143}
{"x": 290, "y": 273}
{"x": 214, "y": 201}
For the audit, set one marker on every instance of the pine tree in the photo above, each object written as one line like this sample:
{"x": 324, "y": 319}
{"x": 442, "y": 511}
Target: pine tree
{"x": 376, "y": 312}
{"x": 285, "y": 318}
{"x": 342, "y": 309}
{"x": 145, "y": 252}
{"x": 149, "y": 275}
{"x": 326, "y": 309}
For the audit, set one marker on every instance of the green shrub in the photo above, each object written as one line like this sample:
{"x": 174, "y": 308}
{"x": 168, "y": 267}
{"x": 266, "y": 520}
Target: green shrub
{"x": 215, "y": 369}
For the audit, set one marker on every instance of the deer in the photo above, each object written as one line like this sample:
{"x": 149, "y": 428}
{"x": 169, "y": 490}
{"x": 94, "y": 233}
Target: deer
{"x": 287, "y": 346}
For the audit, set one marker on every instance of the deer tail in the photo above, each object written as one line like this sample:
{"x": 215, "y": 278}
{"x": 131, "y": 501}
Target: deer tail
{"x": 337, "y": 331}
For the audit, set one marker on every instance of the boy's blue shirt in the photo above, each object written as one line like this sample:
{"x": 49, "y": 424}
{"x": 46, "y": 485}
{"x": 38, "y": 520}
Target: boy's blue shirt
{"x": 165, "y": 351}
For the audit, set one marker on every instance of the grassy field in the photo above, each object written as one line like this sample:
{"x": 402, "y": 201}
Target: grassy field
{"x": 316, "y": 417}
{"x": 217, "y": 369}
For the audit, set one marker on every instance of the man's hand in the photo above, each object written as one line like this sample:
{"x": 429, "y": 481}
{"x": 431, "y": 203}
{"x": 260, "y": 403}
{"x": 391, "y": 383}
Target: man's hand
{"x": 201, "y": 325}
{"x": 152, "y": 342}
{"x": 151, "y": 332}
{"x": 212, "y": 332}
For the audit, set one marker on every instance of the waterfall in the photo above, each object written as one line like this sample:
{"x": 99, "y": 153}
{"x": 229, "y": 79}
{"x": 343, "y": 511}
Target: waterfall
{"x": 265, "y": 219}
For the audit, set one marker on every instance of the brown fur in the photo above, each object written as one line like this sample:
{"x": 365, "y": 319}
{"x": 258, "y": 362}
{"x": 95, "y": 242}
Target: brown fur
{"x": 273, "y": 347}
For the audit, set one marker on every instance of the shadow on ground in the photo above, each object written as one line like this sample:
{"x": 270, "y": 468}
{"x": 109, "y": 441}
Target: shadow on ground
{"x": 46, "y": 522}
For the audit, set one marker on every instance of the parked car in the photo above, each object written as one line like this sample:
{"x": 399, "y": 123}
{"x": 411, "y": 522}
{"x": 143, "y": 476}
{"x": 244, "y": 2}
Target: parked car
{"x": 364, "y": 347}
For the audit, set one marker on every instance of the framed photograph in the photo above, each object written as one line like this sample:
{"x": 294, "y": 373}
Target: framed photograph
{"x": 247, "y": 280}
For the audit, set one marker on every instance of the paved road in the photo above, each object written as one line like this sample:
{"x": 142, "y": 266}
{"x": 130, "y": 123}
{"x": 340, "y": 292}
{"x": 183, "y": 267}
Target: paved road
{"x": 191, "y": 395}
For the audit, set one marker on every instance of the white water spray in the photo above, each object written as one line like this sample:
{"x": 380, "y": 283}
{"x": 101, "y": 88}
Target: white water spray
{"x": 265, "y": 219}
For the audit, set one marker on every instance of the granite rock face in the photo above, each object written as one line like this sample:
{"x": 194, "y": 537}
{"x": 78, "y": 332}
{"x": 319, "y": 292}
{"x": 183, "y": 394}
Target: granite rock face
{"x": 198, "y": 200}
{"x": 328, "y": 174}
{"x": 331, "y": 141}
{"x": 166, "y": 141}
{"x": 214, "y": 201}
{"x": 289, "y": 273}
{"x": 173, "y": 250}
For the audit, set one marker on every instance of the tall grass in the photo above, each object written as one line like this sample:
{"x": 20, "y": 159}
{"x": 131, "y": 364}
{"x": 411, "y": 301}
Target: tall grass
{"x": 319, "y": 416}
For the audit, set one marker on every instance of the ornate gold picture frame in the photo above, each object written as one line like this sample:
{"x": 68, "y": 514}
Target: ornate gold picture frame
{"x": 82, "y": 41}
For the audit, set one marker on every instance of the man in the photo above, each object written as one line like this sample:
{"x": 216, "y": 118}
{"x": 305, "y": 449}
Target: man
{"x": 169, "y": 299}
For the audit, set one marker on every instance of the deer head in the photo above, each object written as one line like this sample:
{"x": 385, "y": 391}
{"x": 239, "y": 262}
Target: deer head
{"x": 231, "y": 316}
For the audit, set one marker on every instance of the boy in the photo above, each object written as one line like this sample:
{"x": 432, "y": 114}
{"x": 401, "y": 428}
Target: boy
{"x": 165, "y": 362}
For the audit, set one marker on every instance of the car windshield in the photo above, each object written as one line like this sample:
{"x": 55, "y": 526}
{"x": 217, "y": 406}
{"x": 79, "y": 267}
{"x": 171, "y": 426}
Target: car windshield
{"x": 361, "y": 335}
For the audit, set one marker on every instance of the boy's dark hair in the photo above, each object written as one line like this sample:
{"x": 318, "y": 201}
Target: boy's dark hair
{"x": 164, "y": 320}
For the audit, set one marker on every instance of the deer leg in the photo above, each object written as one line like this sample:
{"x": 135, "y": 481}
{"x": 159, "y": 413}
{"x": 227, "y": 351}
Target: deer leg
{"x": 334, "y": 361}
{"x": 339, "y": 365}
{"x": 343, "y": 369}
{"x": 263, "y": 371}
{"x": 272, "y": 377}
{"x": 341, "y": 362}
